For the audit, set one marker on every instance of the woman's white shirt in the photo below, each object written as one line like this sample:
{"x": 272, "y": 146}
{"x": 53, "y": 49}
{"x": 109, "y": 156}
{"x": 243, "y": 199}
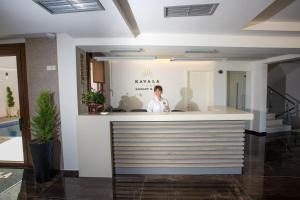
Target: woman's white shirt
{"x": 158, "y": 105}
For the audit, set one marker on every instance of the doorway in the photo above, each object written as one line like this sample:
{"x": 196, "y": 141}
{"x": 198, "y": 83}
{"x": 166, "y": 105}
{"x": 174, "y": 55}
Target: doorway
{"x": 14, "y": 115}
{"x": 236, "y": 89}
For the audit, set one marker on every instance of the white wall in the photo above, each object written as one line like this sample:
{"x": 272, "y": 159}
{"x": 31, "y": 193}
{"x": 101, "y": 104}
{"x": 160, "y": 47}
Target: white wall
{"x": 66, "y": 51}
{"x": 256, "y": 90}
{"x": 66, "y": 60}
{"x": 173, "y": 77}
{"x": 259, "y": 96}
{"x": 8, "y": 64}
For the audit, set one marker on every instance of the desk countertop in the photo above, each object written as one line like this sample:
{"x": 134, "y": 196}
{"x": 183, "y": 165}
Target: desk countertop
{"x": 212, "y": 113}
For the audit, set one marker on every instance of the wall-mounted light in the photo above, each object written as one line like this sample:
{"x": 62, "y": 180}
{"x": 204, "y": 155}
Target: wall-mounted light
{"x": 201, "y": 51}
{"x": 6, "y": 75}
{"x": 198, "y": 59}
{"x": 131, "y": 50}
{"x": 112, "y": 58}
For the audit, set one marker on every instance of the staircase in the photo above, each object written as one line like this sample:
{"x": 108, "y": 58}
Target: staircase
{"x": 290, "y": 112}
{"x": 276, "y": 125}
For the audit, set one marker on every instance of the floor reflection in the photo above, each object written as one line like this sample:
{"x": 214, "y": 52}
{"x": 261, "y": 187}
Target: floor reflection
{"x": 271, "y": 171}
{"x": 179, "y": 187}
{"x": 283, "y": 155}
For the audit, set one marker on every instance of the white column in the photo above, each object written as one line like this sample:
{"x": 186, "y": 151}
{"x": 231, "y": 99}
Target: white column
{"x": 66, "y": 57}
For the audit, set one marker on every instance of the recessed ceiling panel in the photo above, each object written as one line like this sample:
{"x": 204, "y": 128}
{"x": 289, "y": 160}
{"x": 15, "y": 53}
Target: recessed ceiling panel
{"x": 190, "y": 10}
{"x": 69, "y": 6}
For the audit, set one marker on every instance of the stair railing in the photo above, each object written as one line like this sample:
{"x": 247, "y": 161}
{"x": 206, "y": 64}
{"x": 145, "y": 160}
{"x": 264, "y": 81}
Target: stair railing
{"x": 288, "y": 100}
{"x": 288, "y": 114}
{"x": 297, "y": 103}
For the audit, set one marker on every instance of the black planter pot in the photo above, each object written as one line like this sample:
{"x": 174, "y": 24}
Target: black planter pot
{"x": 42, "y": 157}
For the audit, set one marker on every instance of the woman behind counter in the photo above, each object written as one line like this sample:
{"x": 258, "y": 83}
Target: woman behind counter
{"x": 158, "y": 104}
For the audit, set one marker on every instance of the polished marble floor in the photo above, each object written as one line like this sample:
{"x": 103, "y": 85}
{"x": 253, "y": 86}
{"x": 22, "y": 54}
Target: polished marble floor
{"x": 271, "y": 171}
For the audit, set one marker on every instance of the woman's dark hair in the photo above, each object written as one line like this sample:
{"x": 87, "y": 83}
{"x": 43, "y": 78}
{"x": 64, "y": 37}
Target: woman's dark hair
{"x": 158, "y": 87}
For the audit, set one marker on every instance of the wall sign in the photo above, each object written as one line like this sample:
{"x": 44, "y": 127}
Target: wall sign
{"x": 146, "y": 83}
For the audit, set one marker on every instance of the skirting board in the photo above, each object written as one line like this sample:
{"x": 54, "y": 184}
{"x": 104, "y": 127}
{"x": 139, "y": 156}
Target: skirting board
{"x": 69, "y": 173}
{"x": 190, "y": 170}
{"x": 259, "y": 134}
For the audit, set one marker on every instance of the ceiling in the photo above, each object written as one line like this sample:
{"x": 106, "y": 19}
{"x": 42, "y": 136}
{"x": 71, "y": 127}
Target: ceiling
{"x": 229, "y": 18}
{"x": 24, "y": 18}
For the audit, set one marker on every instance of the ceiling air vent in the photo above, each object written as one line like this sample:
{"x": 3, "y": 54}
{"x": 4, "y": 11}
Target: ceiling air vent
{"x": 190, "y": 10}
{"x": 69, "y": 6}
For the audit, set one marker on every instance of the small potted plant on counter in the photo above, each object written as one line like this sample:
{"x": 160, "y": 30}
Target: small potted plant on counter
{"x": 94, "y": 100}
{"x": 44, "y": 128}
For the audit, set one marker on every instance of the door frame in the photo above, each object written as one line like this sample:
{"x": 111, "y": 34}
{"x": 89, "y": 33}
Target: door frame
{"x": 18, "y": 50}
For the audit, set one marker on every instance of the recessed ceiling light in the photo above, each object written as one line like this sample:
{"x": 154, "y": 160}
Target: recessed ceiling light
{"x": 70, "y": 6}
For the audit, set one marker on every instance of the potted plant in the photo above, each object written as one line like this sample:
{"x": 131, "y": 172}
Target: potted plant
{"x": 10, "y": 102}
{"x": 94, "y": 100}
{"x": 44, "y": 128}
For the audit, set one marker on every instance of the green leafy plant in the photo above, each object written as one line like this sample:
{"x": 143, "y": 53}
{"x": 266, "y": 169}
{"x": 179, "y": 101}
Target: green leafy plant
{"x": 9, "y": 97}
{"x": 94, "y": 96}
{"x": 45, "y": 123}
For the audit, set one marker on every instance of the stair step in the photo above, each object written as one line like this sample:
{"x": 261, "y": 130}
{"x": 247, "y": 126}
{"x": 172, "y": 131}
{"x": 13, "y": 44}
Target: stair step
{"x": 270, "y": 116}
{"x": 274, "y": 122}
{"x": 275, "y": 129}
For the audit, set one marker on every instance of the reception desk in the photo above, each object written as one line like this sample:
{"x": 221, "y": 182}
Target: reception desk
{"x": 210, "y": 142}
